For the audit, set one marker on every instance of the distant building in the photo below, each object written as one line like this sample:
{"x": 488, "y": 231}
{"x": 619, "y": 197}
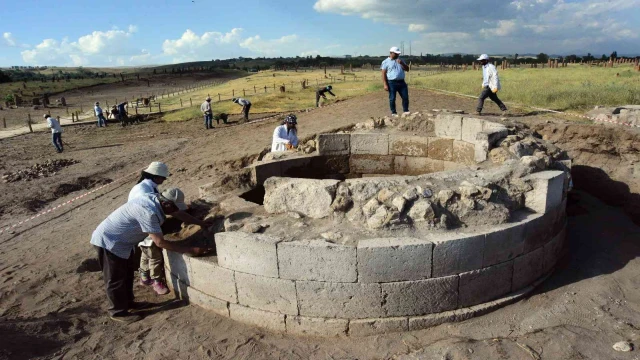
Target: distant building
{"x": 347, "y": 56}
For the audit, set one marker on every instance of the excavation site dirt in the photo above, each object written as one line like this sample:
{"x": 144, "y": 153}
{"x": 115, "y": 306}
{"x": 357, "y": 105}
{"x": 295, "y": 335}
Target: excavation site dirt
{"x": 52, "y": 298}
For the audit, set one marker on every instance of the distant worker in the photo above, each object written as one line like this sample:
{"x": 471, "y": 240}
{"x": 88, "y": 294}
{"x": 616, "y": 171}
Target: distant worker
{"x": 101, "y": 119}
{"x": 320, "y": 92}
{"x": 490, "y": 84}
{"x": 285, "y": 136}
{"x": 246, "y": 106}
{"x": 56, "y": 132}
{"x": 208, "y": 114}
{"x": 122, "y": 113}
{"x": 393, "y": 69}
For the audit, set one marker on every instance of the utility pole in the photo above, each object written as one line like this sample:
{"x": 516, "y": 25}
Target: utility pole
{"x": 409, "y": 48}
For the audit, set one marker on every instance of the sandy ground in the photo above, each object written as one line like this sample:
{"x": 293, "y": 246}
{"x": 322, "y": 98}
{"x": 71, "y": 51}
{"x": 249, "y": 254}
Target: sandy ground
{"x": 51, "y": 309}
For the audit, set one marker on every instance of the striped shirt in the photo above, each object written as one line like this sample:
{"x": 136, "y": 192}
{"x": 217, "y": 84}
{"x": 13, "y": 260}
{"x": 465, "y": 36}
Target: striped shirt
{"x": 146, "y": 186}
{"x": 121, "y": 231}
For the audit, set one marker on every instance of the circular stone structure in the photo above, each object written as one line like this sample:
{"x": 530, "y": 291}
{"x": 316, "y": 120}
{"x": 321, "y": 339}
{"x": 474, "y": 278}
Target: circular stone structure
{"x": 338, "y": 249}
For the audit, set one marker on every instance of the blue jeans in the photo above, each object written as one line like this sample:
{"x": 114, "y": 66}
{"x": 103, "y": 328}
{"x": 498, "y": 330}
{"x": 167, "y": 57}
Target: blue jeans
{"x": 56, "y": 140}
{"x": 208, "y": 121}
{"x": 102, "y": 121}
{"x": 401, "y": 87}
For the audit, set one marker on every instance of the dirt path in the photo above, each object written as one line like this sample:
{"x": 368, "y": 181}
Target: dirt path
{"x": 50, "y": 310}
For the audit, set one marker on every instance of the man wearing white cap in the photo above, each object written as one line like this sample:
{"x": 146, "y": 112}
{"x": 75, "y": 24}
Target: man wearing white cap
{"x": 207, "y": 112}
{"x": 393, "y": 69}
{"x": 56, "y": 132}
{"x": 490, "y": 84}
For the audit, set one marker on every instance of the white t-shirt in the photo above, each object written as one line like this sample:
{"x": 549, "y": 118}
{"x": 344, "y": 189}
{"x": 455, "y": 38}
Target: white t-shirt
{"x": 281, "y": 138}
{"x": 54, "y": 125}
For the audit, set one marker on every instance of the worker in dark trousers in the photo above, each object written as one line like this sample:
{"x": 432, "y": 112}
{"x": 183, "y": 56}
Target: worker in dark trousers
{"x": 320, "y": 92}
{"x": 246, "y": 106}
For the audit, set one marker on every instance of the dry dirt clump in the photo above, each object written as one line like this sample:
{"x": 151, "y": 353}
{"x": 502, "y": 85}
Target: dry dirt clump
{"x": 36, "y": 171}
{"x": 416, "y": 122}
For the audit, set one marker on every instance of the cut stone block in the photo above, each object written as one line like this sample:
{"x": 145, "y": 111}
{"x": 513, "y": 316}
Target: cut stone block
{"x": 420, "y": 297}
{"x": 553, "y": 250}
{"x": 306, "y": 326}
{"x": 368, "y": 327}
{"x": 463, "y": 152}
{"x": 547, "y": 191}
{"x": 248, "y": 253}
{"x": 406, "y": 165}
{"x": 503, "y": 243}
{"x": 470, "y": 129}
{"x": 178, "y": 287}
{"x": 455, "y": 253}
{"x": 373, "y": 144}
{"x": 440, "y": 149}
{"x": 394, "y": 259}
{"x": 335, "y": 164}
{"x": 207, "y": 302}
{"x": 448, "y": 126}
{"x": 431, "y": 320}
{"x": 269, "y": 294}
{"x": 409, "y": 145}
{"x": 450, "y": 165}
{"x": 295, "y": 167}
{"x": 371, "y": 164}
{"x": 334, "y": 144}
{"x": 481, "y": 151}
{"x": 339, "y": 300}
{"x": 212, "y": 279}
{"x": 317, "y": 260}
{"x": 538, "y": 231}
{"x": 479, "y": 286}
{"x": 178, "y": 265}
{"x": 527, "y": 268}
{"x": 309, "y": 197}
{"x": 260, "y": 173}
{"x": 259, "y": 318}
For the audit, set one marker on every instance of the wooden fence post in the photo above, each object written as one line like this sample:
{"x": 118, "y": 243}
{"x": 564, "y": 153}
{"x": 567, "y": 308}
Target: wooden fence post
{"x": 244, "y": 93}
{"x": 233, "y": 93}
{"x": 136, "y": 109}
{"x": 254, "y": 89}
{"x": 4, "y": 123}
{"x": 149, "y": 107}
{"x": 218, "y": 96}
{"x": 29, "y": 123}
{"x": 73, "y": 117}
{"x": 159, "y": 110}
{"x": 180, "y": 102}
{"x": 265, "y": 89}
{"x": 190, "y": 102}
{"x": 67, "y": 108}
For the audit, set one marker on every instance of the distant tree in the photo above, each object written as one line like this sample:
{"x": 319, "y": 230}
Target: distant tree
{"x": 604, "y": 57}
{"x": 4, "y": 78}
{"x": 154, "y": 71}
{"x": 542, "y": 58}
{"x": 515, "y": 57}
{"x": 614, "y": 55}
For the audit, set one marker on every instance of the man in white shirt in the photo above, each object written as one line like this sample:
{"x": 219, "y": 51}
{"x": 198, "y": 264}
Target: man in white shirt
{"x": 285, "y": 136}
{"x": 490, "y": 85}
{"x": 207, "y": 112}
{"x": 246, "y": 106}
{"x": 102, "y": 121}
{"x": 393, "y": 73}
{"x": 56, "y": 132}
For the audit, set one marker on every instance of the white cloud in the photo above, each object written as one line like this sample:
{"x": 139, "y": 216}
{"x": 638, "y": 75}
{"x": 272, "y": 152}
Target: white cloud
{"x": 8, "y": 39}
{"x": 191, "y": 46}
{"x": 417, "y": 27}
{"x": 271, "y": 46}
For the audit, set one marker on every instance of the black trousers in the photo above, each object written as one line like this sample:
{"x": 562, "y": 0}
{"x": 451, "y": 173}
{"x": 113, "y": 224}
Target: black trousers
{"x": 487, "y": 93}
{"x": 318, "y": 98}
{"x": 245, "y": 111}
{"x": 118, "y": 274}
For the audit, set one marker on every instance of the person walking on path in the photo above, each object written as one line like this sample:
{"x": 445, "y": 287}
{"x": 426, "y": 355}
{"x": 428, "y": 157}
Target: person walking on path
{"x": 246, "y": 106}
{"x": 320, "y": 93}
{"x": 56, "y": 132}
{"x": 490, "y": 85}
{"x": 285, "y": 136}
{"x": 208, "y": 114}
{"x": 393, "y": 69}
{"x": 101, "y": 119}
{"x": 116, "y": 238}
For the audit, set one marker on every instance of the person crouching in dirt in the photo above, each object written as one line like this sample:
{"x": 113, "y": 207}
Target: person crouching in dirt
{"x": 151, "y": 260}
{"x": 285, "y": 136}
{"x": 115, "y": 240}
{"x": 246, "y": 106}
{"x": 101, "y": 119}
{"x": 320, "y": 93}
{"x": 122, "y": 113}
{"x": 490, "y": 85}
{"x": 207, "y": 113}
{"x": 56, "y": 132}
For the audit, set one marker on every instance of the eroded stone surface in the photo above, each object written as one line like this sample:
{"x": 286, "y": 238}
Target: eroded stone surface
{"x": 311, "y": 198}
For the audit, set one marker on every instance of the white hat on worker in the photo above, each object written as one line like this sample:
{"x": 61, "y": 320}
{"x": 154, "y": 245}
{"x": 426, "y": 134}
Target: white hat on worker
{"x": 483, "y": 57}
{"x": 158, "y": 168}
{"x": 395, "y": 49}
{"x": 176, "y": 196}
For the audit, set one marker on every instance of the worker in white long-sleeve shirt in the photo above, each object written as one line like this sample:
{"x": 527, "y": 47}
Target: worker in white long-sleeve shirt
{"x": 285, "y": 136}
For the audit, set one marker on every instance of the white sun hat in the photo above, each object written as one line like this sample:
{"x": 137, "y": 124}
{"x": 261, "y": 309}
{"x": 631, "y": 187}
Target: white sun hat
{"x": 483, "y": 57}
{"x": 158, "y": 168}
{"x": 176, "y": 196}
{"x": 395, "y": 49}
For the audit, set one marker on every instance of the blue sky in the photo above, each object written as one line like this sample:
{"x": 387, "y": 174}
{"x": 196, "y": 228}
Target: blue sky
{"x": 141, "y": 32}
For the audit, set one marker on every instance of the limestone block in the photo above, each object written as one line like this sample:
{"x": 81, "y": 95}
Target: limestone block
{"x": 248, "y": 253}
{"x": 527, "y": 268}
{"x": 269, "y": 294}
{"x": 334, "y": 144}
{"x": 317, "y": 260}
{"x": 503, "y": 243}
{"x": 479, "y": 286}
{"x": 547, "y": 191}
{"x": 261, "y": 172}
{"x": 295, "y": 167}
{"x": 259, "y": 318}
{"x": 311, "y": 198}
{"x": 207, "y": 302}
{"x": 538, "y": 231}
{"x": 448, "y": 126}
{"x": 487, "y": 139}
{"x": 178, "y": 287}
{"x": 409, "y": 145}
{"x": 406, "y": 165}
{"x": 463, "y": 152}
{"x": 427, "y": 321}
{"x": 336, "y": 164}
{"x": 455, "y": 253}
{"x": 481, "y": 151}
{"x": 394, "y": 259}
{"x": 420, "y": 297}
{"x": 212, "y": 279}
{"x": 470, "y": 129}
{"x": 368, "y": 327}
{"x": 440, "y": 149}
{"x": 373, "y": 144}
{"x": 306, "y": 326}
{"x": 553, "y": 250}
{"x": 178, "y": 265}
{"x": 339, "y": 300}
{"x": 450, "y": 165}
{"x": 371, "y": 164}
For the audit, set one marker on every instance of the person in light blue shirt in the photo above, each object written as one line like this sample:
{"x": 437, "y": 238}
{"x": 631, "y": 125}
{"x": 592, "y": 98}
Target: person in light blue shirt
{"x": 102, "y": 121}
{"x": 393, "y": 69}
